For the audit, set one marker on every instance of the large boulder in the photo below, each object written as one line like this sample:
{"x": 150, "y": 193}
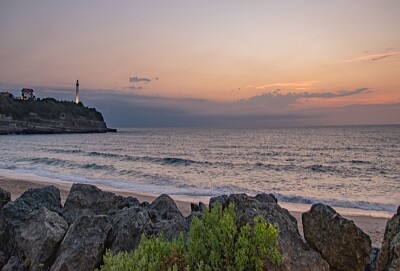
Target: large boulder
{"x": 389, "y": 256}
{"x": 83, "y": 245}
{"x": 40, "y": 236}
{"x": 341, "y": 243}
{"x": 85, "y": 199}
{"x": 165, "y": 208}
{"x": 161, "y": 216}
{"x": 128, "y": 227}
{"x": 297, "y": 255}
{"x": 15, "y": 264}
{"x": 5, "y": 197}
{"x": 14, "y": 214}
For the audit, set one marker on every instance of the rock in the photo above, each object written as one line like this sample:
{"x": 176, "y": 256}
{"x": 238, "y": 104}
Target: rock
{"x": 373, "y": 258}
{"x": 85, "y": 199}
{"x": 15, "y": 264}
{"x": 83, "y": 245}
{"x": 341, "y": 243}
{"x": 130, "y": 224}
{"x": 40, "y": 237}
{"x": 5, "y": 197}
{"x": 267, "y": 198}
{"x": 388, "y": 250}
{"x": 297, "y": 255}
{"x": 14, "y": 214}
{"x": 197, "y": 207}
{"x": 164, "y": 207}
{"x": 3, "y": 259}
{"x": 395, "y": 254}
{"x": 221, "y": 199}
{"x": 128, "y": 227}
{"x": 170, "y": 228}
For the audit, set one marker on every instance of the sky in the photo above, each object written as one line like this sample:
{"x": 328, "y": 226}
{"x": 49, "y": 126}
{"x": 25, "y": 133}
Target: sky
{"x": 209, "y": 63}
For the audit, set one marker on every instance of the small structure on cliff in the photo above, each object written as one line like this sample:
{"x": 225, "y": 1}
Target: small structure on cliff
{"x": 27, "y": 94}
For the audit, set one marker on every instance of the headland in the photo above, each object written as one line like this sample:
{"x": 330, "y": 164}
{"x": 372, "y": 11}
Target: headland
{"x": 30, "y": 115}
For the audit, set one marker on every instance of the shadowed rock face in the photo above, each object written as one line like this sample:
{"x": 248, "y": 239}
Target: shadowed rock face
{"x": 389, "y": 256}
{"x": 84, "y": 244}
{"x": 128, "y": 227}
{"x": 5, "y": 197}
{"x": 297, "y": 255}
{"x": 14, "y": 214}
{"x": 340, "y": 241}
{"x": 40, "y": 236}
{"x": 84, "y": 199}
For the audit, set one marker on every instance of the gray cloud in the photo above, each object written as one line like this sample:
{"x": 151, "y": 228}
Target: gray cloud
{"x": 135, "y": 88}
{"x": 277, "y": 100}
{"x": 379, "y": 58}
{"x": 136, "y": 79}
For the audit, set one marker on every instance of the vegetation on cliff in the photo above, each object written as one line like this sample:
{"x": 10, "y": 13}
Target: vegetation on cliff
{"x": 46, "y": 109}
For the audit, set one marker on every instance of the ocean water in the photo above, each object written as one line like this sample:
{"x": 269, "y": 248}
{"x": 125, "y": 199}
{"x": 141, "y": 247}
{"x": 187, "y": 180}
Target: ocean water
{"x": 351, "y": 167}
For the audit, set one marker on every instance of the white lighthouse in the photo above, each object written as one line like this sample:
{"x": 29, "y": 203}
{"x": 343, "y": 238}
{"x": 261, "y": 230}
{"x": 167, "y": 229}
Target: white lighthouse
{"x": 77, "y": 92}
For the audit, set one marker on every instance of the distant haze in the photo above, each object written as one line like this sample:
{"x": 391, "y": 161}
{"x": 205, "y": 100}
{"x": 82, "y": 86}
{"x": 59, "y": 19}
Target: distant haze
{"x": 209, "y": 63}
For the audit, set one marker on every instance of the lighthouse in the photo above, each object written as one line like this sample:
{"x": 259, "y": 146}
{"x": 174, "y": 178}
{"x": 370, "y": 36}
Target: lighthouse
{"x": 77, "y": 92}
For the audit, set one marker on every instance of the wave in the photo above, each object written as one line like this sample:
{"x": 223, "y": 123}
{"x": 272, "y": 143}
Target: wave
{"x": 105, "y": 155}
{"x": 73, "y": 151}
{"x": 362, "y": 205}
{"x": 174, "y": 161}
{"x": 98, "y": 167}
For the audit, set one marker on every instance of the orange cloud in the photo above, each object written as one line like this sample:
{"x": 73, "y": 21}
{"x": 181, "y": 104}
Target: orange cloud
{"x": 298, "y": 84}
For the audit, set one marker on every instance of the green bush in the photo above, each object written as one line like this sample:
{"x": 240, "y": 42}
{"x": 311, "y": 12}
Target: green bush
{"x": 214, "y": 243}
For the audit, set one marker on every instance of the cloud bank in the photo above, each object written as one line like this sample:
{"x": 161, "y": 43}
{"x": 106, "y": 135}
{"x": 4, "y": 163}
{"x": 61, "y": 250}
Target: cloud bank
{"x": 126, "y": 109}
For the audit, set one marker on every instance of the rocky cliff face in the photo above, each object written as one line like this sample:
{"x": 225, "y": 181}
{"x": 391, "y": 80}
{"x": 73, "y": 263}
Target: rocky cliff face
{"x": 48, "y": 116}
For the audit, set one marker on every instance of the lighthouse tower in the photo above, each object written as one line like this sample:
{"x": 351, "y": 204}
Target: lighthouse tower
{"x": 77, "y": 92}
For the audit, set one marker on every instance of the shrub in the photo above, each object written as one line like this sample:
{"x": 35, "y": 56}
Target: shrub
{"x": 214, "y": 243}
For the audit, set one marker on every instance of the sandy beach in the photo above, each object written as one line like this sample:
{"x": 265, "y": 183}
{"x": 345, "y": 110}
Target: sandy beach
{"x": 373, "y": 226}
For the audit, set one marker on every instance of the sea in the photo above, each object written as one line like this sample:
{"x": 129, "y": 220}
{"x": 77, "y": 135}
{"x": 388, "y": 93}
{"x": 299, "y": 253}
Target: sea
{"x": 350, "y": 167}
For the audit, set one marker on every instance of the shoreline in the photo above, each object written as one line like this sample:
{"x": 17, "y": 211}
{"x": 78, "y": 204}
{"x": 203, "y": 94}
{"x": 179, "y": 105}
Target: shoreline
{"x": 373, "y": 226}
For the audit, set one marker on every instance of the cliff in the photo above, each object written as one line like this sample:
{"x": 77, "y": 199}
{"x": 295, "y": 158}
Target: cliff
{"x": 48, "y": 116}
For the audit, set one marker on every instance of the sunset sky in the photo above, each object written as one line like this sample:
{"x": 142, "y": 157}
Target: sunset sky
{"x": 190, "y": 63}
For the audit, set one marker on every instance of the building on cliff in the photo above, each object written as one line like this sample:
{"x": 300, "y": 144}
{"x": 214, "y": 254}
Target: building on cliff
{"x": 27, "y": 94}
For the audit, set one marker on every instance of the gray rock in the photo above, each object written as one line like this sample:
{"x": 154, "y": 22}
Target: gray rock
{"x": 3, "y": 259}
{"x": 390, "y": 254}
{"x": 341, "y": 243}
{"x": 197, "y": 207}
{"x": 297, "y": 255}
{"x": 170, "y": 228}
{"x": 84, "y": 199}
{"x": 14, "y": 264}
{"x": 128, "y": 227}
{"x": 373, "y": 258}
{"x": 221, "y": 199}
{"x": 14, "y": 214}
{"x": 395, "y": 253}
{"x": 5, "y": 197}
{"x": 164, "y": 208}
{"x": 40, "y": 236}
{"x": 84, "y": 244}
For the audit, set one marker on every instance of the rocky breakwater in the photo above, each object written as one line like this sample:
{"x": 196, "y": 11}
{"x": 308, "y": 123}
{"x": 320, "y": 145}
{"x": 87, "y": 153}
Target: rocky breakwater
{"x": 38, "y": 233}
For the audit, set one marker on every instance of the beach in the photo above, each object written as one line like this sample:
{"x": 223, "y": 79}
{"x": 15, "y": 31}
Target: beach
{"x": 373, "y": 226}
